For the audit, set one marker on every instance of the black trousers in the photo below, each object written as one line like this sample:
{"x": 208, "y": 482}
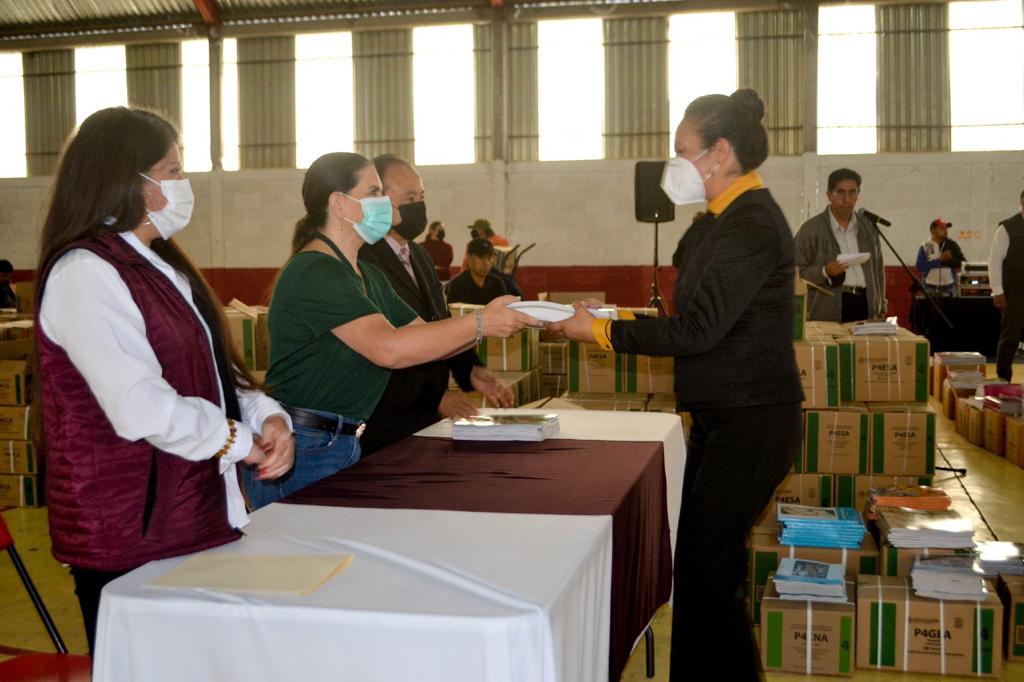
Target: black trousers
{"x": 735, "y": 460}
{"x": 855, "y": 307}
{"x": 88, "y": 586}
{"x": 1009, "y": 335}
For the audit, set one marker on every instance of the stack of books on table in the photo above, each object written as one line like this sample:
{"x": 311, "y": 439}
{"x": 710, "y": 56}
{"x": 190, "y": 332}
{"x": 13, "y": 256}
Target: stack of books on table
{"x": 874, "y": 328}
{"x": 1006, "y": 558}
{"x": 512, "y": 425}
{"x": 949, "y": 577}
{"x": 910, "y": 496}
{"x": 810, "y": 580}
{"x": 906, "y": 527}
{"x": 819, "y": 526}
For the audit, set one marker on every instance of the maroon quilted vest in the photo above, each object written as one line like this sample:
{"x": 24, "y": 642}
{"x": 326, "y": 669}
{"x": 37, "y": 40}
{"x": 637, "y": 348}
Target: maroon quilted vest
{"x": 116, "y": 504}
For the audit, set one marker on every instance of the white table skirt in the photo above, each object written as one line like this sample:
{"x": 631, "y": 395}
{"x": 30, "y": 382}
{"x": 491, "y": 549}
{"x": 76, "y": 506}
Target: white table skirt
{"x": 431, "y": 596}
{"x": 619, "y": 426}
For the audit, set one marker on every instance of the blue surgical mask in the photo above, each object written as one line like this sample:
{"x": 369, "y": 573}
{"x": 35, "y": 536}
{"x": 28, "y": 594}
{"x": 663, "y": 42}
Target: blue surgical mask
{"x": 376, "y": 222}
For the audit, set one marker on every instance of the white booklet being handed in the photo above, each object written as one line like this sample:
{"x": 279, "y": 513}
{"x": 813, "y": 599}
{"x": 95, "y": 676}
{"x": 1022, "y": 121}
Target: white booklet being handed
{"x": 508, "y": 425}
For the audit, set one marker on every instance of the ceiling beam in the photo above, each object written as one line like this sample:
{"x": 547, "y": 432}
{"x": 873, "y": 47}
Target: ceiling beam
{"x": 208, "y": 11}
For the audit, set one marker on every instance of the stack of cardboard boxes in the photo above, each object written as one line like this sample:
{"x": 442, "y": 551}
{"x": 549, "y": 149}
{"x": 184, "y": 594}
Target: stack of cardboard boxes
{"x": 20, "y": 479}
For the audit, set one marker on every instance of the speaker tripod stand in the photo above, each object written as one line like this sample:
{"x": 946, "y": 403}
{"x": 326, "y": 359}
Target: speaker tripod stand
{"x": 656, "y": 300}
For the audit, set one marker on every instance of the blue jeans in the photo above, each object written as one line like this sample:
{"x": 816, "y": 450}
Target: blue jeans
{"x": 318, "y": 454}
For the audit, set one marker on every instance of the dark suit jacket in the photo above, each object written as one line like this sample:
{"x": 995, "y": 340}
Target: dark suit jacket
{"x": 732, "y": 335}
{"x": 413, "y": 394}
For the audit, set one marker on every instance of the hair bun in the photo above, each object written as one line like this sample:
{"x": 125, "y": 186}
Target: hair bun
{"x": 750, "y": 101}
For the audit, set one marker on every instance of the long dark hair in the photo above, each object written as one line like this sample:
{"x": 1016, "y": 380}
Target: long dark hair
{"x": 737, "y": 118}
{"x": 334, "y": 172}
{"x": 98, "y": 190}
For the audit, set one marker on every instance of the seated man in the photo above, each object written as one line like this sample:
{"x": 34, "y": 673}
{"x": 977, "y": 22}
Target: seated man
{"x": 938, "y": 259}
{"x": 477, "y": 284}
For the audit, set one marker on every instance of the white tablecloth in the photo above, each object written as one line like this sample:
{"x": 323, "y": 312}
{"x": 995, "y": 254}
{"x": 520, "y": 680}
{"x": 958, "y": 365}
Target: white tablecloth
{"x": 619, "y": 426}
{"x": 430, "y": 596}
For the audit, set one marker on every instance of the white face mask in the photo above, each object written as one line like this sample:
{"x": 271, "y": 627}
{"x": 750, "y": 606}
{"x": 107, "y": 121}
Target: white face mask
{"x": 682, "y": 182}
{"x": 172, "y": 218}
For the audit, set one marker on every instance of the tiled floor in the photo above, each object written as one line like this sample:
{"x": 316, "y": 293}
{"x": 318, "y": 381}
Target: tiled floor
{"x": 992, "y": 491}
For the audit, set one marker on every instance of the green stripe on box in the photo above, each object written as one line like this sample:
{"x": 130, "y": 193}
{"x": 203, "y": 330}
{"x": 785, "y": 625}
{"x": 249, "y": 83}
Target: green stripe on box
{"x": 574, "y": 366}
{"x": 813, "y": 424}
{"x": 832, "y": 375}
{"x": 825, "y": 484}
{"x": 891, "y": 560}
{"x": 17, "y": 389}
{"x": 524, "y": 351}
{"x": 863, "y": 468}
{"x": 869, "y": 565}
{"x": 888, "y": 654}
{"x": 846, "y": 490}
{"x": 481, "y": 350}
{"x": 249, "y": 343}
{"x": 921, "y": 373}
{"x": 929, "y": 443}
{"x": 620, "y": 370}
{"x": 630, "y": 373}
{"x": 982, "y": 630}
{"x": 31, "y": 454}
{"x": 878, "y": 443}
{"x": 799, "y": 301}
{"x": 1017, "y": 644}
{"x": 847, "y": 378}
{"x": 28, "y": 492}
{"x": 845, "y": 643}
{"x": 774, "y": 638}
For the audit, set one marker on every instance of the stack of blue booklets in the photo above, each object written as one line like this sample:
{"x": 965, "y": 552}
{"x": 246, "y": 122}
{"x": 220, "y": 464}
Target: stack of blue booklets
{"x": 811, "y": 580}
{"x": 840, "y": 527}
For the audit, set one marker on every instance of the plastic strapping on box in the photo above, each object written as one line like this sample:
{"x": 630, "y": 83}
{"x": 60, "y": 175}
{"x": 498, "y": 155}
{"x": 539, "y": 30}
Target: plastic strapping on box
{"x": 881, "y": 624}
{"x": 867, "y": 354}
{"x": 810, "y": 636}
{"x": 942, "y": 638}
{"x": 905, "y": 451}
{"x": 792, "y": 551}
{"x": 977, "y": 638}
{"x": 814, "y": 379}
{"x": 504, "y": 354}
{"x": 906, "y": 623}
{"x": 899, "y": 369}
{"x": 832, "y": 439}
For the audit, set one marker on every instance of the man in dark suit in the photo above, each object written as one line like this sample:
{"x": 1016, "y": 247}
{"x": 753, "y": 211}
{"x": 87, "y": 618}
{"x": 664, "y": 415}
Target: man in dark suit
{"x": 416, "y": 397}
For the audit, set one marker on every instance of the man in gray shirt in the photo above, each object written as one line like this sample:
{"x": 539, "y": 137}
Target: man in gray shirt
{"x": 858, "y": 291}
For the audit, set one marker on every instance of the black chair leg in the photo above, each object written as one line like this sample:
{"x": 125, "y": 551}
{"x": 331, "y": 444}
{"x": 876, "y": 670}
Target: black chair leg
{"x": 649, "y": 646}
{"x": 37, "y": 601}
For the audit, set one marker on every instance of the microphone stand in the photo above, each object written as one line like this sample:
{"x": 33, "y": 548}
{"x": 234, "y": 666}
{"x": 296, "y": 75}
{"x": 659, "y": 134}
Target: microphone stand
{"x": 906, "y": 268}
{"x": 656, "y": 300}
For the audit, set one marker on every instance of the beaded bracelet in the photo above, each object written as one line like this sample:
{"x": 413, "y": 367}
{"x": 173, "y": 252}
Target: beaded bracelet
{"x": 232, "y": 432}
{"x": 479, "y": 315}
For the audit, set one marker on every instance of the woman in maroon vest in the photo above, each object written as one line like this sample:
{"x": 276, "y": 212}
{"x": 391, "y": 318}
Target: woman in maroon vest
{"x": 143, "y": 405}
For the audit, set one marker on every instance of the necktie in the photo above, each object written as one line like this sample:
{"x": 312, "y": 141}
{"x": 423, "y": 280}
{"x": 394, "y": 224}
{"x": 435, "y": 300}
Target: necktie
{"x": 403, "y": 255}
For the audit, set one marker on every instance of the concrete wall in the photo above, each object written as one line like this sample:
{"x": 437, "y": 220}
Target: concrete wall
{"x": 578, "y": 213}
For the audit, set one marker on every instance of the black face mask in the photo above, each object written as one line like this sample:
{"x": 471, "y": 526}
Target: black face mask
{"x": 440, "y": 235}
{"x": 414, "y": 220}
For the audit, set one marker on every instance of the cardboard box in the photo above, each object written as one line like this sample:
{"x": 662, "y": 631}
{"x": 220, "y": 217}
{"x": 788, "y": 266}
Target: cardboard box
{"x": 943, "y": 362}
{"x": 18, "y": 349}
{"x": 21, "y": 491}
{"x": 16, "y": 327}
{"x": 14, "y": 382}
{"x": 1011, "y": 591}
{"x": 554, "y": 357}
{"x": 836, "y": 441}
{"x": 617, "y": 402}
{"x": 852, "y": 490}
{"x": 26, "y": 293}
{"x": 14, "y": 422}
{"x": 992, "y": 438}
{"x": 662, "y": 402}
{"x": 884, "y": 368}
{"x": 553, "y": 385}
{"x": 973, "y": 415}
{"x": 814, "y": 490}
{"x": 902, "y": 439}
{"x": 249, "y": 333}
{"x": 18, "y": 457}
{"x": 569, "y": 297}
{"x": 898, "y": 630}
{"x": 807, "y": 637}
{"x": 649, "y": 374}
{"x": 766, "y": 553}
{"x": 898, "y": 561}
{"x": 518, "y": 353}
{"x": 1014, "y": 444}
{"x": 818, "y": 363}
{"x": 595, "y": 370}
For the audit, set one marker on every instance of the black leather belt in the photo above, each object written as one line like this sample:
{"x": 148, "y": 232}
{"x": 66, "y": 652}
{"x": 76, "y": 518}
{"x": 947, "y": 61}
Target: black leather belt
{"x": 313, "y": 420}
{"x": 847, "y": 289}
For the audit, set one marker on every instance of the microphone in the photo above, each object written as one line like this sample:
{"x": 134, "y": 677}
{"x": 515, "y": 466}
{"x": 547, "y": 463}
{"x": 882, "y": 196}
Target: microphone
{"x": 875, "y": 217}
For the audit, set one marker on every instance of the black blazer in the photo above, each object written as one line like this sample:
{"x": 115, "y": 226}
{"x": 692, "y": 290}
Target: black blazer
{"x": 411, "y": 398}
{"x": 732, "y": 334}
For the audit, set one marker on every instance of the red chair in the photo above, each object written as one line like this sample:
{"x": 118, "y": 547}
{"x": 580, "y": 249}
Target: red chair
{"x": 41, "y": 667}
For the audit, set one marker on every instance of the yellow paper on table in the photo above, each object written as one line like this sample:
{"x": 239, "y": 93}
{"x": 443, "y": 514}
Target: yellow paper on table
{"x": 271, "y": 573}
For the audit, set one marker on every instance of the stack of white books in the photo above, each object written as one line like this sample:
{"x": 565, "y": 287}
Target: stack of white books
{"x": 905, "y": 527}
{"x": 510, "y": 425}
{"x": 810, "y": 580}
{"x": 1006, "y": 558}
{"x": 948, "y": 577}
{"x": 874, "y": 328}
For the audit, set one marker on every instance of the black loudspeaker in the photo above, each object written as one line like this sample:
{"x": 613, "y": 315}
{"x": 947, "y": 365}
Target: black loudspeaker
{"x": 652, "y": 206}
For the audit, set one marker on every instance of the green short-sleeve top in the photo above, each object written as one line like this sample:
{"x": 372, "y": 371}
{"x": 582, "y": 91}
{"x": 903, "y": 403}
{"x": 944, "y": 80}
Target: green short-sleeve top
{"x": 310, "y": 367}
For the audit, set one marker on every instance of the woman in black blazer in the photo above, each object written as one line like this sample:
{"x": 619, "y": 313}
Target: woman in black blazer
{"x": 735, "y": 369}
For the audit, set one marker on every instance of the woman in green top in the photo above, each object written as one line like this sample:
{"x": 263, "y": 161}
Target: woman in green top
{"x": 337, "y": 327}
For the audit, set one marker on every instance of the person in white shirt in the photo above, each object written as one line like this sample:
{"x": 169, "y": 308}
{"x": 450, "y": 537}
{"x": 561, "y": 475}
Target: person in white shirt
{"x": 1006, "y": 275}
{"x": 145, "y": 406}
{"x": 854, "y": 292}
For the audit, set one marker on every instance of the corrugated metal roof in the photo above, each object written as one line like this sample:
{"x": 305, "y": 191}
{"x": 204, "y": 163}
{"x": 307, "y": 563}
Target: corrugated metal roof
{"x": 32, "y": 15}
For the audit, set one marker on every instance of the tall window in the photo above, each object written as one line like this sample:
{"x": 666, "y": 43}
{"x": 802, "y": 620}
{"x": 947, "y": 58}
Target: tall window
{"x": 195, "y": 105}
{"x": 12, "y": 117}
{"x": 324, "y": 112}
{"x": 570, "y": 65}
{"x": 444, "y": 94}
{"x": 229, "y": 105}
{"x": 701, "y": 60}
{"x": 847, "y": 75}
{"x": 986, "y": 75}
{"x": 101, "y": 79}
